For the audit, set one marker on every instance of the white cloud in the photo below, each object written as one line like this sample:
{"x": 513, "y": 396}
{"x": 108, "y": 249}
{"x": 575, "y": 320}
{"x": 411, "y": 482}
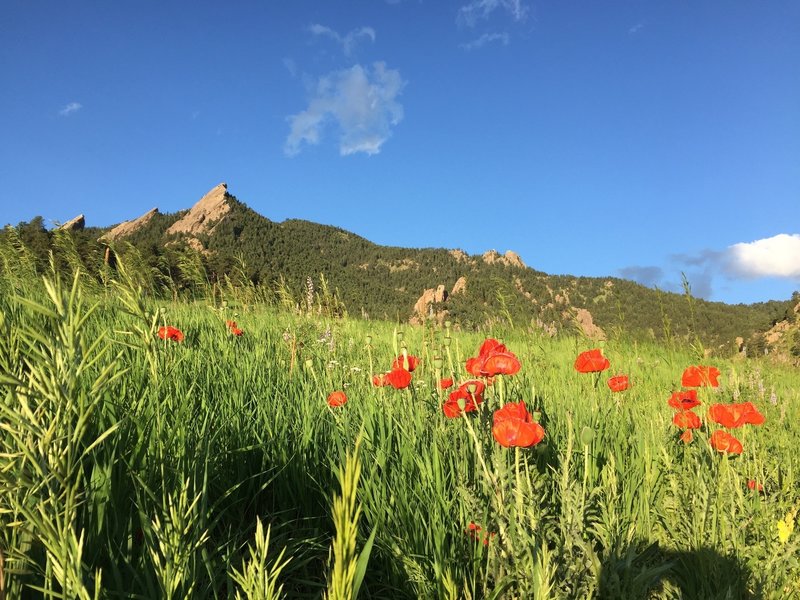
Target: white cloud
{"x": 485, "y": 39}
{"x": 348, "y": 41}
{"x": 360, "y": 102}
{"x": 70, "y": 108}
{"x": 636, "y": 28}
{"x": 777, "y": 256}
{"x": 469, "y": 14}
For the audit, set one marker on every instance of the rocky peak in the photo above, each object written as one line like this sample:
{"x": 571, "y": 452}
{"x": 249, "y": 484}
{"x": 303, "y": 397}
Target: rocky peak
{"x": 75, "y": 224}
{"x": 127, "y": 228}
{"x": 203, "y": 215}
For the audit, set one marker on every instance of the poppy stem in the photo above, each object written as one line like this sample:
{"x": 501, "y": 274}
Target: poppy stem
{"x": 518, "y": 490}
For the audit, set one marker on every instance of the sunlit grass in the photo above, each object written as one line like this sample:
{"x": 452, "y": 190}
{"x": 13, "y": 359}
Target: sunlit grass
{"x": 138, "y": 467}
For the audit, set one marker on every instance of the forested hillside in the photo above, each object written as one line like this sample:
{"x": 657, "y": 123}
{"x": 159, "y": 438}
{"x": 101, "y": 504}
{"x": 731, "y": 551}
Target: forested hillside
{"x": 293, "y": 260}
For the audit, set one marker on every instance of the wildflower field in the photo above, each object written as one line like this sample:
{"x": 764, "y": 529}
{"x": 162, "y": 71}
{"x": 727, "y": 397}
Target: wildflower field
{"x": 232, "y": 449}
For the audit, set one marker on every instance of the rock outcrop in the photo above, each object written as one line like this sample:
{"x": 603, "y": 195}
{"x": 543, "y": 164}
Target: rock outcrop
{"x": 459, "y": 287}
{"x": 127, "y": 228}
{"x": 75, "y": 224}
{"x": 509, "y": 259}
{"x": 205, "y": 214}
{"x": 584, "y": 320}
{"x": 423, "y": 307}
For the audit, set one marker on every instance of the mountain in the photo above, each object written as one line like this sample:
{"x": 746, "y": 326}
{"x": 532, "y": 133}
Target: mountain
{"x": 221, "y": 236}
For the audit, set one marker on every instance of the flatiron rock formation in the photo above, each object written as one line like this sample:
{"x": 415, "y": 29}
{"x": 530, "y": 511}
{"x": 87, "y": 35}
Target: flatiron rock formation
{"x": 203, "y": 215}
{"x": 127, "y": 228}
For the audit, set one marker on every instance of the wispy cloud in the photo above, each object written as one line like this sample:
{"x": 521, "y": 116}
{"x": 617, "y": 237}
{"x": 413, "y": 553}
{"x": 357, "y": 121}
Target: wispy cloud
{"x": 634, "y": 29}
{"x": 486, "y": 38}
{"x": 476, "y": 10}
{"x": 291, "y": 66}
{"x": 360, "y": 103}
{"x": 347, "y": 41}
{"x": 649, "y": 276}
{"x": 777, "y": 256}
{"x": 70, "y": 108}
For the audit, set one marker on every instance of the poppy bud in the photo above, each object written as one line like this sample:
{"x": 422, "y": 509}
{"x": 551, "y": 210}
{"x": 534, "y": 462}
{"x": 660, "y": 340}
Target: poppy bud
{"x": 587, "y": 435}
{"x": 437, "y": 362}
{"x": 471, "y": 388}
{"x": 462, "y": 403}
{"x": 309, "y": 363}
{"x": 399, "y": 336}
{"x": 446, "y": 342}
{"x": 447, "y": 324}
{"x": 368, "y": 339}
{"x": 536, "y": 415}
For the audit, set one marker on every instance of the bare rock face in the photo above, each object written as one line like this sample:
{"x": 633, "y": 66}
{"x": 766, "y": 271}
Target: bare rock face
{"x": 459, "y": 255}
{"x": 584, "y": 319}
{"x": 513, "y": 259}
{"x": 440, "y": 295}
{"x": 75, "y": 224}
{"x": 127, "y": 228}
{"x": 203, "y": 215}
{"x": 460, "y": 286}
{"x": 509, "y": 259}
{"x": 427, "y": 298}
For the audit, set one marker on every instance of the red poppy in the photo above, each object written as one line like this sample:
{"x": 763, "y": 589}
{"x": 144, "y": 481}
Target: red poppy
{"x": 407, "y": 362}
{"x": 686, "y": 419}
{"x": 735, "y": 415}
{"x": 170, "y": 333}
{"x": 337, "y": 399}
{"x": 397, "y": 378}
{"x": 446, "y": 383}
{"x": 470, "y": 393}
{"x": 686, "y": 436}
{"x": 591, "y": 361}
{"x": 232, "y": 327}
{"x": 700, "y": 376}
{"x": 493, "y": 359}
{"x": 473, "y": 530}
{"x": 685, "y": 400}
{"x": 514, "y": 426}
{"x": 752, "y": 484}
{"x": 379, "y": 380}
{"x": 619, "y": 383}
{"x": 722, "y": 441}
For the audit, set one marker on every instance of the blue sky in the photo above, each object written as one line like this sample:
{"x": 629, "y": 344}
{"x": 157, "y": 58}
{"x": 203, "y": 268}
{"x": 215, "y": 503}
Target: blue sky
{"x": 638, "y": 139}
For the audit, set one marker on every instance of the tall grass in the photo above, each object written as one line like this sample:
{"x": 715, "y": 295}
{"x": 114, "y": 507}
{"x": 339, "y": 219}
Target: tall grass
{"x": 135, "y": 467}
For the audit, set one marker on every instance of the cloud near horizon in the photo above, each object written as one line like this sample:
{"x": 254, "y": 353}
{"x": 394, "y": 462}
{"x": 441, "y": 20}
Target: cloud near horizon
{"x": 777, "y": 256}
{"x": 360, "y": 102}
{"x": 70, "y": 108}
{"x": 347, "y": 41}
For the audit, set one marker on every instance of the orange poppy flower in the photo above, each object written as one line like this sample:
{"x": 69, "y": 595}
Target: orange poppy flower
{"x": 337, "y": 399}
{"x": 471, "y": 399}
{"x": 234, "y": 329}
{"x": 446, "y": 383}
{"x": 493, "y": 359}
{"x": 514, "y": 426}
{"x": 619, "y": 383}
{"x": 591, "y": 361}
{"x": 409, "y": 363}
{"x": 685, "y": 400}
{"x": 735, "y": 415}
{"x": 686, "y": 436}
{"x": 170, "y": 333}
{"x": 398, "y": 378}
{"x": 752, "y": 484}
{"x": 700, "y": 376}
{"x": 722, "y": 441}
{"x": 686, "y": 419}
{"x": 379, "y": 380}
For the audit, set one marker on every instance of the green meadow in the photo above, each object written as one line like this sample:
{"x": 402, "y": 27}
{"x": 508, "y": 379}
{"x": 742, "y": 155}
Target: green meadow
{"x": 213, "y": 467}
